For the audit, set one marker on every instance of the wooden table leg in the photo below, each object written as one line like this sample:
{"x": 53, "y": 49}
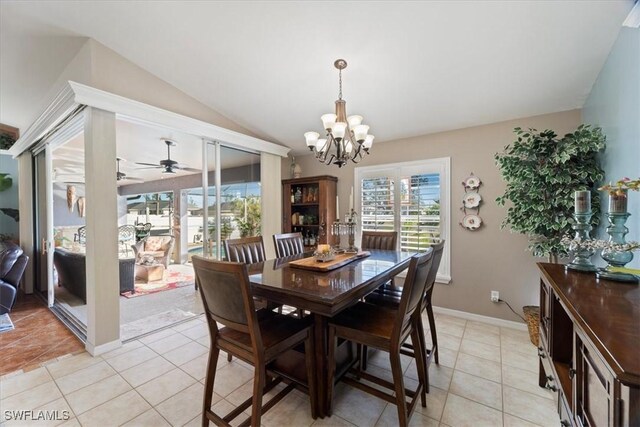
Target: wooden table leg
{"x": 320, "y": 331}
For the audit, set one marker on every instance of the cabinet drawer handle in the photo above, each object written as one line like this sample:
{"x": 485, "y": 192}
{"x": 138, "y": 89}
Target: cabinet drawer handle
{"x": 541, "y": 353}
{"x": 572, "y": 373}
{"x": 551, "y": 387}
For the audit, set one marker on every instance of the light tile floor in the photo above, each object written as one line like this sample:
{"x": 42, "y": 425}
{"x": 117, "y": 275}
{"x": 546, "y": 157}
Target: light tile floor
{"x": 487, "y": 377}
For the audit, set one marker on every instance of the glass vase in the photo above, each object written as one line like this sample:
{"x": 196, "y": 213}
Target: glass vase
{"x": 615, "y": 258}
{"x": 582, "y": 255}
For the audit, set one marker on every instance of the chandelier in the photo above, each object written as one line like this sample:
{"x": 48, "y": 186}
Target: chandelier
{"x": 346, "y": 137}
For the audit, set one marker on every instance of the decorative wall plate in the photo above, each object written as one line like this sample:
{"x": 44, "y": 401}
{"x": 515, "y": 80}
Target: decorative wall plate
{"x": 471, "y": 222}
{"x": 471, "y": 200}
{"x": 472, "y": 182}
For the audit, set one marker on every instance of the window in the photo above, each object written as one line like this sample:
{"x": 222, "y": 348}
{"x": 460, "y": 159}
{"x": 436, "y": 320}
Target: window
{"x": 411, "y": 197}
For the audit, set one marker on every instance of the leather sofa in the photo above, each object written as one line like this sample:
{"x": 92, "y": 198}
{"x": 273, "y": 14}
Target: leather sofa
{"x": 159, "y": 247}
{"x": 13, "y": 262}
{"x": 72, "y": 272}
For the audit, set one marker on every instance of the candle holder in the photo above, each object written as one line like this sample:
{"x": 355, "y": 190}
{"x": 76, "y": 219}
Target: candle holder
{"x": 347, "y": 228}
{"x": 617, "y": 258}
{"x": 582, "y": 253}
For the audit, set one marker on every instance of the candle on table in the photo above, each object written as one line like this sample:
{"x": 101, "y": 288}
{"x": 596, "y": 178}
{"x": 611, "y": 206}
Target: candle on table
{"x": 337, "y": 207}
{"x": 351, "y": 200}
{"x": 582, "y": 201}
{"x": 618, "y": 202}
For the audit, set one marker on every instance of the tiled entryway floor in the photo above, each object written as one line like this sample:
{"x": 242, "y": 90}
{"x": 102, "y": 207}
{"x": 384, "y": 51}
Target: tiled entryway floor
{"x": 487, "y": 377}
{"x": 38, "y": 336}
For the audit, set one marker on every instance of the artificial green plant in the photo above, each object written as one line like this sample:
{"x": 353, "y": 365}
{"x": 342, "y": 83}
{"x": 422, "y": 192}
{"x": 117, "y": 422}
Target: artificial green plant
{"x": 542, "y": 173}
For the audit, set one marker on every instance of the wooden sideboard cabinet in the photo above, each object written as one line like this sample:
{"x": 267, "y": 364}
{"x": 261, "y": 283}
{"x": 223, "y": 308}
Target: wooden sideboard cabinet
{"x": 590, "y": 347}
{"x": 309, "y": 207}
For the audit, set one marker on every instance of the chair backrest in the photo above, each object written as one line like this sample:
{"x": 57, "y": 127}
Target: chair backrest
{"x": 413, "y": 291}
{"x": 379, "y": 240}
{"x": 438, "y": 249}
{"x": 158, "y": 243}
{"x": 225, "y": 292}
{"x": 288, "y": 244}
{"x": 126, "y": 233}
{"x": 247, "y": 250}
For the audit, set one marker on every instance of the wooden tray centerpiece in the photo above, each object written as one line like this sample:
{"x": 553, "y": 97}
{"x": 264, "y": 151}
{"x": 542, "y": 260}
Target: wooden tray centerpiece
{"x": 311, "y": 263}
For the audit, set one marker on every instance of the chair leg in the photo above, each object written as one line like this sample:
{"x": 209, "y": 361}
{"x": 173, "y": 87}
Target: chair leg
{"x": 208, "y": 384}
{"x": 398, "y": 381}
{"x": 423, "y": 374}
{"x": 419, "y": 329}
{"x": 365, "y": 353}
{"x": 331, "y": 360}
{"x": 259, "y": 380}
{"x": 434, "y": 335}
{"x": 229, "y": 357}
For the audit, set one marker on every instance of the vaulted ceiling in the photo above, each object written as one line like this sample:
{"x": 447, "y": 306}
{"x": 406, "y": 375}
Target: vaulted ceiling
{"x": 414, "y": 67}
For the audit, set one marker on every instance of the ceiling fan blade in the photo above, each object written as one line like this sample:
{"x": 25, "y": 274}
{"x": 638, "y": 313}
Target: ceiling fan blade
{"x": 148, "y": 164}
{"x": 133, "y": 178}
{"x": 191, "y": 169}
{"x": 150, "y": 167}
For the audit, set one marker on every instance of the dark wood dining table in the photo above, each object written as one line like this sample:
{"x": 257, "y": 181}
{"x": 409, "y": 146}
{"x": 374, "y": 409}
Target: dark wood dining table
{"x": 324, "y": 294}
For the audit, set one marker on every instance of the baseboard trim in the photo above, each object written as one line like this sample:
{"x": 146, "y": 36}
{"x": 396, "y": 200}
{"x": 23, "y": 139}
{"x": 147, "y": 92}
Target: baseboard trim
{"x": 480, "y": 318}
{"x": 102, "y": 348}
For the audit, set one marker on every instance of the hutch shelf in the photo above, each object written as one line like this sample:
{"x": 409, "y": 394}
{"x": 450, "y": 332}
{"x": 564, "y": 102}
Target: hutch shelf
{"x": 309, "y": 207}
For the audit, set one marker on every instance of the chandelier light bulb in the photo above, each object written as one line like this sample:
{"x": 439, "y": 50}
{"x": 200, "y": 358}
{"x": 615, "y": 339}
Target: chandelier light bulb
{"x": 311, "y": 138}
{"x": 328, "y": 120}
{"x": 354, "y": 121}
{"x": 321, "y": 145}
{"x": 348, "y": 147}
{"x": 339, "y": 129}
{"x": 368, "y": 142}
{"x": 360, "y": 132}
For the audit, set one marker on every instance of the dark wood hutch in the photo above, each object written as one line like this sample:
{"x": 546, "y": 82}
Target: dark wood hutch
{"x": 590, "y": 347}
{"x": 309, "y": 207}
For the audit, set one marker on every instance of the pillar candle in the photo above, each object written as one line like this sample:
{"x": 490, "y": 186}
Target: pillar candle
{"x": 337, "y": 208}
{"x": 351, "y": 200}
{"x": 618, "y": 202}
{"x": 582, "y": 201}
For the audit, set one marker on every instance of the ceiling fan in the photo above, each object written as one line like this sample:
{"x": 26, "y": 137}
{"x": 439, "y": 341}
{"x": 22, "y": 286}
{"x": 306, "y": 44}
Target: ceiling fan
{"x": 167, "y": 165}
{"x": 121, "y": 176}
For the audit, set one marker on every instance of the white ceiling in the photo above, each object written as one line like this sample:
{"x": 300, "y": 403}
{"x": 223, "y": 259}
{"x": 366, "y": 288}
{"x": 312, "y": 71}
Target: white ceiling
{"x": 414, "y": 67}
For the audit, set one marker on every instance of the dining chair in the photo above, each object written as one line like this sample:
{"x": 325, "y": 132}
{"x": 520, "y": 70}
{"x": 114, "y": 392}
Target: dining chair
{"x": 386, "y": 329}
{"x": 390, "y": 295}
{"x": 257, "y": 337}
{"x": 379, "y": 240}
{"x": 247, "y": 250}
{"x": 288, "y": 244}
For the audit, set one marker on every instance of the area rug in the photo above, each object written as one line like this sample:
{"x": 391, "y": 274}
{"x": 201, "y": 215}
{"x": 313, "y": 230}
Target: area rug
{"x": 5, "y": 323}
{"x": 176, "y": 276}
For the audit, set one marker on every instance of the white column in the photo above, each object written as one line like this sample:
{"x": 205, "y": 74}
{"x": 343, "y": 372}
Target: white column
{"x": 103, "y": 278}
{"x": 25, "y": 206}
{"x": 182, "y": 244}
{"x": 271, "y": 199}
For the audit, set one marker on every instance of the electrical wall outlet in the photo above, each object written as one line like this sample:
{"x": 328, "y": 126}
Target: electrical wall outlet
{"x": 495, "y": 296}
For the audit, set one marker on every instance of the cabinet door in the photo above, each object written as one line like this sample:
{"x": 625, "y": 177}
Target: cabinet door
{"x": 545, "y": 315}
{"x": 594, "y": 387}
{"x": 286, "y": 208}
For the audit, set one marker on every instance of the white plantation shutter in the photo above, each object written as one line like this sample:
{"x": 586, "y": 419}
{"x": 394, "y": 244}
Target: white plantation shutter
{"x": 412, "y": 198}
{"x": 377, "y": 213}
{"x": 419, "y": 211}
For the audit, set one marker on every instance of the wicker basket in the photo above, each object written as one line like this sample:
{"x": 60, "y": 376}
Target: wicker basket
{"x": 532, "y": 316}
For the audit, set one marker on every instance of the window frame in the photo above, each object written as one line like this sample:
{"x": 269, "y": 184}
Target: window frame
{"x": 397, "y": 171}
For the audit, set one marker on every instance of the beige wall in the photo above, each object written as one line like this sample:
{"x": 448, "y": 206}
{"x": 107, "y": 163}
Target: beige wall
{"x": 484, "y": 260}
